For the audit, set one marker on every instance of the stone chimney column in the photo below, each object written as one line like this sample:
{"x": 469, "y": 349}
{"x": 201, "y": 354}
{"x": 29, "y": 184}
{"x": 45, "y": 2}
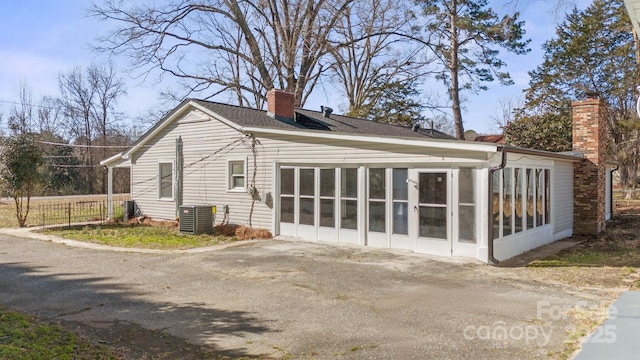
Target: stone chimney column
{"x": 589, "y": 139}
{"x": 280, "y": 104}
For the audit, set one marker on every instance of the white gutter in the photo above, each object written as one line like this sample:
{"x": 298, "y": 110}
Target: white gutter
{"x": 388, "y": 140}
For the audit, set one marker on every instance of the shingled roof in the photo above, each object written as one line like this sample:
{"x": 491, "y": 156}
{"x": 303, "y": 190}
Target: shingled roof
{"x": 314, "y": 120}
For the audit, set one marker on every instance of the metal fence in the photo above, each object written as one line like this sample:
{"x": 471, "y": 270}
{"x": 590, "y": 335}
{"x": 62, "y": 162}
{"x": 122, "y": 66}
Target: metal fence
{"x": 76, "y": 212}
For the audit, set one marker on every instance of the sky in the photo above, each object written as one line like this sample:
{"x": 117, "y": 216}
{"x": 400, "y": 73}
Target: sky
{"x": 39, "y": 39}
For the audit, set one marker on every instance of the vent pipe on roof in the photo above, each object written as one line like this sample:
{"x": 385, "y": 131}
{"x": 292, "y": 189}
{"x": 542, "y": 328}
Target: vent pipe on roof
{"x": 326, "y": 111}
{"x": 415, "y": 127}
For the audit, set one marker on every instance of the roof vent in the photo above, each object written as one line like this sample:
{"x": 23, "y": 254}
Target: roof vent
{"x": 415, "y": 127}
{"x": 326, "y": 111}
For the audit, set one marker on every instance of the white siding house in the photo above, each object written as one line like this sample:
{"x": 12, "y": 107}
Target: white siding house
{"x": 340, "y": 179}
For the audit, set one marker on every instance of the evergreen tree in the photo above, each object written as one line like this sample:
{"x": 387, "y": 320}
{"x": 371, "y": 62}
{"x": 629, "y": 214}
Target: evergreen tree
{"x": 465, "y": 36}
{"x": 395, "y": 102}
{"x": 20, "y": 171}
{"x": 550, "y": 132}
{"x": 593, "y": 51}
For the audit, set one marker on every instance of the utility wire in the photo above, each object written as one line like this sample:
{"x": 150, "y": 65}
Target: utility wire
{"x": 85, "y": 146}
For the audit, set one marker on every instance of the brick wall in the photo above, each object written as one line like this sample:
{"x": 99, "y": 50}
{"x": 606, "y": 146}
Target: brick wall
{"x": 280, "y": 104}
{"x": 589, "y": 138}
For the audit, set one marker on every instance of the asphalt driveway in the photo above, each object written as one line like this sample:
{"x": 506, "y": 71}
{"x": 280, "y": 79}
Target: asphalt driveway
{"x": 304, "y": 300}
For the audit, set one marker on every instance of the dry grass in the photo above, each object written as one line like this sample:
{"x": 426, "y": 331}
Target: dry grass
{"x": 8, "y": 208}
{"x": 243, "y": 232}
{"x": 229, "y": 230}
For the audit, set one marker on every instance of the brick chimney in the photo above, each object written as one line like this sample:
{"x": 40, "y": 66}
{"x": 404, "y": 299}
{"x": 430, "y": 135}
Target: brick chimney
{"x": 589, "y": 139}
{"x": 280, "y": 105}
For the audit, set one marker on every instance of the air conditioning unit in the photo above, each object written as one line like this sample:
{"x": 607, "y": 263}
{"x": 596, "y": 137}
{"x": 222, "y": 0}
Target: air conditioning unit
{"x": 196, "y": 219}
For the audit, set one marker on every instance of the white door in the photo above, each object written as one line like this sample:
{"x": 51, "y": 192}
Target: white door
{"x": 433, "y": 213}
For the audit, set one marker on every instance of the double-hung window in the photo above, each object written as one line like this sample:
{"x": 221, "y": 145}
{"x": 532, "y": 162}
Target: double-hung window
{"x": 237, "y": 175}
{"x": 165, "y": 176}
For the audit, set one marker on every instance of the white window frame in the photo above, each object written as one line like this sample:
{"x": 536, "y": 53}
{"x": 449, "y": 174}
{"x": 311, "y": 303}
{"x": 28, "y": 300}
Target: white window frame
{"x": 173, "y": 166}
{"x": 230, "y": 175}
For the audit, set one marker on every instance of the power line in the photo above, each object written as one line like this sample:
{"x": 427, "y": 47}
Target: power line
{"x": 72, "y": 166}
{"x": 27, "y": 104}
{"x": 85, "y": 146}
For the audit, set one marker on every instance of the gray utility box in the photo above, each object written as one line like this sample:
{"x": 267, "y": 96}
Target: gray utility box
{"x": 196, "y": 219}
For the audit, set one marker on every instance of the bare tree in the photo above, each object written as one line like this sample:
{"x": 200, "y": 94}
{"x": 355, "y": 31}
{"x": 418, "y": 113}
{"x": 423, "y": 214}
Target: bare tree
{"x": 108, "y": 88}
{"x": 88, "y": 99}
{"x": 558, "y": 9}
{"x": 77, "y": 96}
{"x": 49, "y": 115}
{"x": 245, "y": 47}
{"x": 369, "y": 50}
{"x": 20, "y": 119}
{"x": 510, "y": 108}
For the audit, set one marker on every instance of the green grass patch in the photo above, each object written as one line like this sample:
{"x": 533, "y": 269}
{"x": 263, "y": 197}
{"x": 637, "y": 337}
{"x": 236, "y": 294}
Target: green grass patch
{"x": 24, "y": 337}
{"x": 139, "y": 236}
{"x": 582, "y": 256}
{"x": 618, "y": 246}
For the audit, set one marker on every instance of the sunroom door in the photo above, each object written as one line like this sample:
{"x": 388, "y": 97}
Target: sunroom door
{"x": 433, "y": 213}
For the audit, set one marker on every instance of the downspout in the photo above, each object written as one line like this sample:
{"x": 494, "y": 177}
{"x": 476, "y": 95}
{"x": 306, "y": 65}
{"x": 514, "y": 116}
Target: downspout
{"x": 179, "y": 166}
{"x": 611, "y": 190}
{"x": 503, "y": 163}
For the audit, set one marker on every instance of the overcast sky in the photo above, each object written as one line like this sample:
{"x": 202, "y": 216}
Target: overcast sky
{"x": 40, "y": 38}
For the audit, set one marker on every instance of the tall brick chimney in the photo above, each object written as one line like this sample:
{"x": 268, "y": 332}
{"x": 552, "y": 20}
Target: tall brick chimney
{"x": 589, "y": 182}
{"x": 280, "y": 105}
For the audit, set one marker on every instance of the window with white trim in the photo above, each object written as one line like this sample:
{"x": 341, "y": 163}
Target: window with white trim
{"x": 165, "y": 177}
{"x": 237, "y": 175}
{"x": 529, "y": 208}
{"x": 400, "y": 200}
{"x": 467, "y": 205}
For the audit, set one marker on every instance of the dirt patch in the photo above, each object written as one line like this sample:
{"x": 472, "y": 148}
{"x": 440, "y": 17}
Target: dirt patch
{"x": 231, "y": 230}
{"x": 131, "y": 341}
{"x": 144, "y": 220}
{"x": 609, "y": 260}
{"x": 243, "y": 232}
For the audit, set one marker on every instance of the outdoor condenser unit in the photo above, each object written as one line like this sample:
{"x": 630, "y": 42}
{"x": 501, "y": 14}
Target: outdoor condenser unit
{"x": 196, "y": 219}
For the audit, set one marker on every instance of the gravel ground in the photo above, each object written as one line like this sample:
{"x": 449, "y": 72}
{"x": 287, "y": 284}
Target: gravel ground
{"x": 291, "y": 299}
